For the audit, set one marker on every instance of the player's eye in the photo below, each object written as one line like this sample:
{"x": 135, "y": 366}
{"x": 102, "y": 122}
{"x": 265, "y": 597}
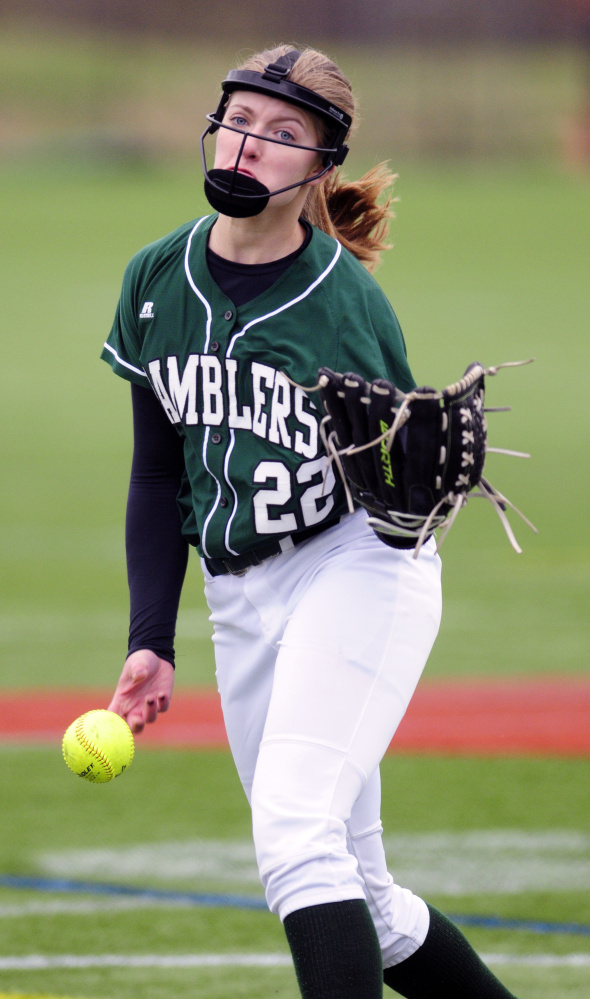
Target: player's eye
{"x": 238, "y": 120}
{"x": 285, "y": 135}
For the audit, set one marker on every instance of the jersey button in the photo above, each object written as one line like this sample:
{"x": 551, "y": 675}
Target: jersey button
{"x": 214, "y": 346}
{"x": 228, "y": 315}
{"x": 216, "y": 438}
{"x": 223, "y": 501}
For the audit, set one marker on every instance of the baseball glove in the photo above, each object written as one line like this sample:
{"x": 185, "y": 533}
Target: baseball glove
{"x": 411, "y": 459}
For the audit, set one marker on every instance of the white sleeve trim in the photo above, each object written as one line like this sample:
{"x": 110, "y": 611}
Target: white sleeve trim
{"x": 125, "y": 364}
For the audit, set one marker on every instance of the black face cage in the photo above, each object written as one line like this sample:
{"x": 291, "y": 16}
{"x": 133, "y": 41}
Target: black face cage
{"x": 226, "y": 189}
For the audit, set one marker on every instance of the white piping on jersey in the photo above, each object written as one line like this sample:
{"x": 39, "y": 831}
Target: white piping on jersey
{"x": 294, "y": 301}
{"x": 232, "y": 441}
{"x": 217, "y": 498}
{"x": 193, "y": 285}
{"x": 138, "y": 371}
{"x": 253, "y": 322}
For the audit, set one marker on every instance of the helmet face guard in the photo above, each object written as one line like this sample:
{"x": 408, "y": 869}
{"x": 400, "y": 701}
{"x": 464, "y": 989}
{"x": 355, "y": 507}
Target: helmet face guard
{"x": 240, "y": 196}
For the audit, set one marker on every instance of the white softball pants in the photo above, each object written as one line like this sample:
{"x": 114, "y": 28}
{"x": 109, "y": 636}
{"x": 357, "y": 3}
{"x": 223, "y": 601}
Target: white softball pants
{"x": 318, "y": 652}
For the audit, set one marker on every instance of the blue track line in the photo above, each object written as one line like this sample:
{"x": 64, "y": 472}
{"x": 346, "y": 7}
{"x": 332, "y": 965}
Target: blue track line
{"x": 528, "y": 925}
{"x": 64, "y": 885}
{"x": 129, "y": 891}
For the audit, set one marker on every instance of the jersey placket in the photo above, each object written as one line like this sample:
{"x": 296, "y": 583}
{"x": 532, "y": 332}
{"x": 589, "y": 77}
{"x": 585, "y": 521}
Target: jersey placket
{"x": 218, "y": 440}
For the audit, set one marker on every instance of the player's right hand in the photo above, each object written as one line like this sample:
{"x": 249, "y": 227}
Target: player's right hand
{"x": 144, "y": 689}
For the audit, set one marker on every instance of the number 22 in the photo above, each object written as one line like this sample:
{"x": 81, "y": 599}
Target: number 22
{"x": 316, "y": 502}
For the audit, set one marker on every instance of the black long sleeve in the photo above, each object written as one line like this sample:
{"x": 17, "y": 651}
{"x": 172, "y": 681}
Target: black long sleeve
{"x": 157, "y": 553}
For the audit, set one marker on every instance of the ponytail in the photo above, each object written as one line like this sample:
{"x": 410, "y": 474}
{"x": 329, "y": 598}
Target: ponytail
{"x": 352, "y": 213}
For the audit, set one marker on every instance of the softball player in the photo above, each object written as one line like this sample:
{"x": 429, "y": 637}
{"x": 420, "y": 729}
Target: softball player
{"x": 321, "y": 630}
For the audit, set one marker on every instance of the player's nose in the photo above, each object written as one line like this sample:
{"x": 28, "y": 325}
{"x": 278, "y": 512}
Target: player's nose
{"x": 252, "y": 147}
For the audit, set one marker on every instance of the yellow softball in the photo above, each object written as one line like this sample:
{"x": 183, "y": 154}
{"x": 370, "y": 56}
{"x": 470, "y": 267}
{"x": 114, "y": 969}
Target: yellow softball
{"x": 98, "y": 746}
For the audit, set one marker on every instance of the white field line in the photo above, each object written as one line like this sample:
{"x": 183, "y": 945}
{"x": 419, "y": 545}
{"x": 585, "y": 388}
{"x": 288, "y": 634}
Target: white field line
{"x": 88, "y": 907}
{"x": 40, "y": 962}
{"x": 539, "y": 960}
{"x": 480, "y": 861}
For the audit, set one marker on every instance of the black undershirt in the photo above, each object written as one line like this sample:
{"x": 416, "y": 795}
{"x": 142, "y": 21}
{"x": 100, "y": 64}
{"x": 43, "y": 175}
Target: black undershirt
{"x": 244, "y": 282}
{"x": 157, "y": 553}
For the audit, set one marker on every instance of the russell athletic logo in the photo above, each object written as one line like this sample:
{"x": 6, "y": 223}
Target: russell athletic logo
{"x": 147, "y": 311}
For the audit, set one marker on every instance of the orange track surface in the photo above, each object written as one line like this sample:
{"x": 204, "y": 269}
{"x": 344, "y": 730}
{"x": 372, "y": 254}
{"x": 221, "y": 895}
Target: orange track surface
{"x": 530, "y": 716}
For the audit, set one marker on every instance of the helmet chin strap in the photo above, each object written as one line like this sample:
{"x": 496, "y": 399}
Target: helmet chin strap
{"x": 239, "y": 195}
{"x": 234, "y": 194}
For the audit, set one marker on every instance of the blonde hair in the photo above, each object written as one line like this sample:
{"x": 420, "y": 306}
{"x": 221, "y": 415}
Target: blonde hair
{"x": 348, "y": 210}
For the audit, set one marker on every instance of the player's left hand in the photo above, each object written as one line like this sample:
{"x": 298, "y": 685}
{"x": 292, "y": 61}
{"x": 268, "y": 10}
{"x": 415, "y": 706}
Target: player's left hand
{"x": 144, "y": 689}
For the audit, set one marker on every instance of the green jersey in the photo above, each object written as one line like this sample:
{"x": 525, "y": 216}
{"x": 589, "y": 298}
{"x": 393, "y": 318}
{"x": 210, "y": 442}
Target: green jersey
{"x": 231, "y": 380}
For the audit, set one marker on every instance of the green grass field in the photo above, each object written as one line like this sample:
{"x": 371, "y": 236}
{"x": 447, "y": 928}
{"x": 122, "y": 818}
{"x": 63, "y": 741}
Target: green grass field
{"x": 491, "y": 261}
{"x": 173, "y": 809}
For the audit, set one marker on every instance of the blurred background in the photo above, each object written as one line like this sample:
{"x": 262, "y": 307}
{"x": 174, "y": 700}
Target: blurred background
{"x": 483, "y": 110}
{"x": 440, "y": 77}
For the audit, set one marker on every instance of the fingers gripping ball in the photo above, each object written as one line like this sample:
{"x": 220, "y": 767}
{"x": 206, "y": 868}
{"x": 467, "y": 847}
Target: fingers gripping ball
{"x": 98, "y": 746}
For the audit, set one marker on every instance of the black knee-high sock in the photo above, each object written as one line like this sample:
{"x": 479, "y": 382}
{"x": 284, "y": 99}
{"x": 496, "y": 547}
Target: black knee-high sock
{"x": 444, "y": 967}
{"x": 335, "y": 951}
